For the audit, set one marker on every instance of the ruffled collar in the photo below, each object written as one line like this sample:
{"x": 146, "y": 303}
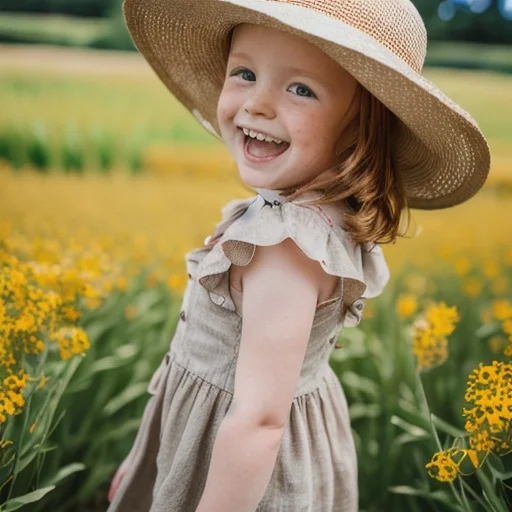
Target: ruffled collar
{"x": 272, "y": 197}
{"x": 368, "y": 259}
{"x": 275, "y": 197}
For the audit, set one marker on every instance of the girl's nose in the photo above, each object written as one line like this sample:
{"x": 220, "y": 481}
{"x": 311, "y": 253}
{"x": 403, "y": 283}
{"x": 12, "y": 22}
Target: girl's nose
{"x": 259, "y": 103}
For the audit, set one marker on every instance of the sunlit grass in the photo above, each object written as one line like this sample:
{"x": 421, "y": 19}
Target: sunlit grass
{"x": 106, "y": 253}
{"x": 85, "y": 97}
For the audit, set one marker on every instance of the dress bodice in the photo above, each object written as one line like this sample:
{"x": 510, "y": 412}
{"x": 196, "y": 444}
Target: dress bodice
{"x": 210, "y": 324}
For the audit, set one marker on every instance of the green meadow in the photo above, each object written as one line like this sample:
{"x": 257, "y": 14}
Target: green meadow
{"x": 105, "y": 183}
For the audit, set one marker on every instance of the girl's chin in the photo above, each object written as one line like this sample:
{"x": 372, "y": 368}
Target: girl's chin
{"x": 257, "y": 178}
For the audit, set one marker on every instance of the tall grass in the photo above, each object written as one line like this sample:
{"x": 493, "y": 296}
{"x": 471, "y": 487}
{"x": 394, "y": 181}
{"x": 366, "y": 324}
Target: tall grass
{"x": 97, "y": 259}
{"x": 137, "y": 230}
{"x": 80, "y": 116}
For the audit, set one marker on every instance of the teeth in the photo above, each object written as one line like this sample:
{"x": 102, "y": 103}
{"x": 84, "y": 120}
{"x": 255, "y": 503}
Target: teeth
{"x": 260, "y": 136}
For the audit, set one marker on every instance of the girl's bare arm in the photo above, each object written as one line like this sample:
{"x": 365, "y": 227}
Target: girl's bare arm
{"x": 281, "y": 286}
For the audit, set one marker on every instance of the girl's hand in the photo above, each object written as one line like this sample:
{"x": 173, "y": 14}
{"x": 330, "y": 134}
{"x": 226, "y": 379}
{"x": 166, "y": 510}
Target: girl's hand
{"x": 121, "y": 471}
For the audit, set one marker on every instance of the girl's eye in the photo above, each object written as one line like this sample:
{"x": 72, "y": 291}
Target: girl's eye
{"x": 244, "y": 74}
{"x": 302, "y": 90}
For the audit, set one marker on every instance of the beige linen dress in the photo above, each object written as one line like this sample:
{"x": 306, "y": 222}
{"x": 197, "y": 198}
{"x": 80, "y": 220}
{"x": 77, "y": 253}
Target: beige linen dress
{"x": 316, "y": 467}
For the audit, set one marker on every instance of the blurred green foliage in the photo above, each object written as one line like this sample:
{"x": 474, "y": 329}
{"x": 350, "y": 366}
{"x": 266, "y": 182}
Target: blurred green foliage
{"x": 89, "y": 8}
{"x": 456, "y": 54}
{"x": 488, "y": 27}
{"x": 56, "y": 29}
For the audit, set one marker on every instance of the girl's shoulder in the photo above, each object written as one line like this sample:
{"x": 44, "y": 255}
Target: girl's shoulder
{"x": 316, "y": 230}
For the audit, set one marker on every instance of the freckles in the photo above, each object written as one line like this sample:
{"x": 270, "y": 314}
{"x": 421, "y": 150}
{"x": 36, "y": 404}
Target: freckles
{"x": 225, "y": 108}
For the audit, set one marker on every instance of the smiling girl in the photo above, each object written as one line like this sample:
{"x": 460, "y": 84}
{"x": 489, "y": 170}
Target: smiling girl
{"x": 323, "y": 107}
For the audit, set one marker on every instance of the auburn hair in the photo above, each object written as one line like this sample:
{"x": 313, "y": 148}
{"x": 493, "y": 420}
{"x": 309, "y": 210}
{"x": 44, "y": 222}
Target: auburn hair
{"x": 366, "y": 177}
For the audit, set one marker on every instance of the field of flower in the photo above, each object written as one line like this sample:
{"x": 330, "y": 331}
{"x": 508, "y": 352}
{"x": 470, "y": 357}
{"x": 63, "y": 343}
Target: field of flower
{"x": 91, "y": 275}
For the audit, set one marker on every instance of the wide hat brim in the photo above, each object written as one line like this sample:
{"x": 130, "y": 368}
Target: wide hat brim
{"x": 439, "y": 149}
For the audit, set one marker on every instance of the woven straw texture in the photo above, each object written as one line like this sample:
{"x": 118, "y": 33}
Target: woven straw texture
{"x": 440, "y": 150}
{"x": 382, "y": 25}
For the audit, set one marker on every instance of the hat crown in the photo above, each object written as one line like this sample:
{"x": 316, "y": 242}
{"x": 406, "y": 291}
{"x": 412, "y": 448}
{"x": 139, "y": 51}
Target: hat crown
{"x": 396, "y": 24}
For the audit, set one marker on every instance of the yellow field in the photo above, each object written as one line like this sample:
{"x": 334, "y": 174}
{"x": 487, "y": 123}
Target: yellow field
{"x": 85, "y": 259}
{"x": 178, "y": 201}
{"x": 175, "y": 214}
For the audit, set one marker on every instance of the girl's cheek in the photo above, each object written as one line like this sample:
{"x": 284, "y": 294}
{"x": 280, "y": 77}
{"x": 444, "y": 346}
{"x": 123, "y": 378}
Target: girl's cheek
{"x": 227, "y": 105}
{"x": 315, "y": 146}
{"x": 222, "y": 113}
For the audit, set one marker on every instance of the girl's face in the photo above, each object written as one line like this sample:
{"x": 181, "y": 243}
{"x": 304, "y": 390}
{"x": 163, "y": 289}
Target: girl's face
{"x": 284, "y": 88}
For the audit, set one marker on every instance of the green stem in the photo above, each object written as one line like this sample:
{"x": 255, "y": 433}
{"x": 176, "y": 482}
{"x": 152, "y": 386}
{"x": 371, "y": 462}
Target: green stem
{"x": 426, "y": 411}
{"x": 474, "y": 495}
{"x": 489, "y": 493}
{"x": 26, "y": 414}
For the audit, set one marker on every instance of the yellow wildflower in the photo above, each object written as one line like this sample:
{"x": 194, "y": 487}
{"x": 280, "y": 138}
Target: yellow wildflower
{"x": 481, "y": 441}
{"x": 491, "y": 268}
{"x": 11, "y": 397}
{"x": 121, "y": 283}
{"x": 430, "y": 351}
{"x": 502, "y": 309}
{"x": 6, "y": 405}
{"x": 473, "y": 457}
{"x": 507, "y": 327}
{"x": 108, "y": 286}
{"x": 442, "y": 319}
{"x": 496, "y": 344}
{"x": 3, "y": 312}
{"x": 406, "y": 305}
{"x": 90, "y": 292}
{"x": 42, "y": 382}
{"x": 489, "y": 398}
{"x": 71, "y": 341}
{"x": 462, "y": 265}
{"x": 16, "y": 398}
{"x": 445, "y": 466}
{"x": 70, "y": 313}
{"x": 442, "y": 467}
{"x": 14, "y": 382}
{"x": 473, "y": 287}
{"x": 177, "y": 282}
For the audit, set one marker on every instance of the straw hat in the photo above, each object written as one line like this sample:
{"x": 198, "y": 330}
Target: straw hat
{"x": 441, "y": 152}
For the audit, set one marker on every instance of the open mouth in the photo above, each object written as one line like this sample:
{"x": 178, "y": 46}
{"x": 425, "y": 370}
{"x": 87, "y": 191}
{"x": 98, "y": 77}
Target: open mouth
{"x": 261, "y": 150}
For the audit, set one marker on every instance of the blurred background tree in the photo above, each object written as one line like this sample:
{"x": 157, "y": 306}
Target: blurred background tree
{"x": 449, "y": 20}
{"x": 479, "y": 21}
{"x": 88, "y": 8}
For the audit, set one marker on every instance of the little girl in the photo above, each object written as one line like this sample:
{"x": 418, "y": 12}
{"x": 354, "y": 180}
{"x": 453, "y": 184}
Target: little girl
{"x": 323, "y": 107}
